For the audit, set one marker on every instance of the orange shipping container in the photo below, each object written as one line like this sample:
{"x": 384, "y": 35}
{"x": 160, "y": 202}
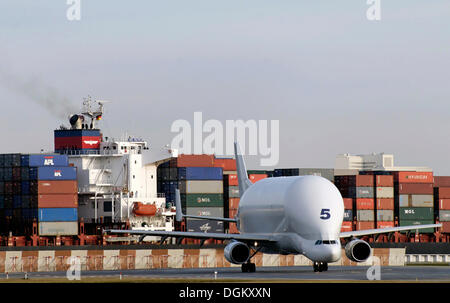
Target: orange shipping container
{"x": 233, "y": 229}
{"x": 441, "y": 181}
{"x": 347, "y": 226}
{"x": 444, "y": 204}
{"x": 233, "y": 203}
{"x": 413, "y": 177}
{"x": 444, "y": 192}
{"x": 385, "y": 203}
{"x": 256, "y": 177}
{"x": 384, "y": 180}
{"x": 365, "y": 203}
{"x": 362, "y": 225}
{"x": 232, "y": 180}
{"x": 348, "y": 203}
{"x": 226, "y": 164}
{"x": 57, "y": 187}
{"x": 232, "y": 213}
{"x": 195, "y": 161}
{"x": 58, "y": 201}
{"x": 385, "y": 224}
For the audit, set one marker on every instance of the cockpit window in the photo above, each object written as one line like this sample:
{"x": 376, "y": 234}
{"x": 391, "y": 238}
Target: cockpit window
{"x": 326, "y": 242}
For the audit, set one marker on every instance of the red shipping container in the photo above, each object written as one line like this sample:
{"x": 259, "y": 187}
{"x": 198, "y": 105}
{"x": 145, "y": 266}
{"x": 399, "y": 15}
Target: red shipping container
{"x": 385, "y": 203}
{"x": 385, "y": 224}
{"x": 365, "y": 203}
{"x": 384, "y": 180}
{"x": 233, "y": 203}
{"x": 348, "y": 203}
{"x": 443, "y": 192}
{"x": 195, "y": 161}
{"x": 232, "y": 213}
{"x": 441, "y": 181}
{"x": 233, "y": 229}
{"x": 226, "y": 164}
{"x": 347, "y": 226}
{"x": 58, "y": 201}
{"x": 361, "y": 180}
{"x": 444, "y": 204}
{"x": 57, "y": 187}
{"x": 413, "y": 177}
{"x": 445, "y": 227}
{"x": 363, "y": 225}
{"x": 415, "y": 188}
{"x": 256, "y": 177}
{"x": 232, "y": 180}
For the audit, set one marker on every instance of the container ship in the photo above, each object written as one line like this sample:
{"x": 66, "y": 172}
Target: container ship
{"x": 91, "y": 183}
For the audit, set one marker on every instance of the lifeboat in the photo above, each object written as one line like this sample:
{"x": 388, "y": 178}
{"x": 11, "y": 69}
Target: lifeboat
{"x": 141, "y": 209}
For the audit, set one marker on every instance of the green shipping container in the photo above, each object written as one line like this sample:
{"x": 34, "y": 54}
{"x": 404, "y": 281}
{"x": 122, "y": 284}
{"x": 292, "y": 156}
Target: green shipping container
{"x": 416, "y": 213}
{"x": 417, "y": 222}
{"x": 202, "y": 200}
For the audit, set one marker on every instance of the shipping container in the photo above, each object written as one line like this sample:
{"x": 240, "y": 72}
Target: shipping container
{"x": 58, "y": 214}
{"x": 202, "y": 200}
{"x": 445, "y": 227}
{"x": 363, "y": 225}
{"x": 233, "y": 191}
{"x": 384, "y": 224}
{"x": 443, "y": 192}
{"x": 205, "y": 226}
{"x": 360, "y": 181}
{"x": 383, "y": 203}
{"x": 416, "y": 213}
{"x": 57, "y": 187}
{"x": 52, "y": 173}
{"x": 231, "y": 180}
{"x": 232, "y": 213}
{"x": 58, "y": 228}
{"x": 233, "y": 228}
{"x": 365, "y": 215}
{"x": 227, "y": 164}
{"x": 363, "y": 203}
{"x": 208, "y": 186}
{"x": 416, "y": 201}
{"x": 384, "y": 180}
{"x": 415, "y": 188}
{"x": 233, "y": 203}
{"x": 347, "y": 226}
{"x": 385, "y": 215}
{"x": 56, "y": 201}
{"x": 444, "y": 204}
{"x": 444, "y": 215}
{"x": 193, "y": 160}
{"x": 348, "y": 203}
{"x": 44, "y": 160}
{"x": 417, "y": 222}
{"x": 256, "y": 177}
{"x": 348, "y": 215}
{"x": 173, "y": 174}
{"x": 413, "y": 177}
{"x": 205, "y": 211}
{"x": 361, "y": 192}
{"x": 441, "y": 181}
{"x": 200, "y": 173}
{"x": 385, "y": 192}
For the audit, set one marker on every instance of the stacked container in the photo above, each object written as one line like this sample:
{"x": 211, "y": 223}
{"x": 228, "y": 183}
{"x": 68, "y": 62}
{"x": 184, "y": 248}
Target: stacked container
{"x": 384, "y": 200}
{"x": 230, "y": 185}
{"x": 414, "y": 198}
{"x": 442, "y": 201}
{"x": 347, "y": 224}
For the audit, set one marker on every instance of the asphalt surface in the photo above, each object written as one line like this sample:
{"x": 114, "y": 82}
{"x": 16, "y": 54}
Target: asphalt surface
{"x": 297, "y": 273}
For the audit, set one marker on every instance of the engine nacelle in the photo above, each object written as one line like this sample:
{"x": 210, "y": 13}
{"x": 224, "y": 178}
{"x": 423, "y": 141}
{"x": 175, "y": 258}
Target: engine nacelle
{"x": 358, "y": 250}
{"x": 236, "y": 252}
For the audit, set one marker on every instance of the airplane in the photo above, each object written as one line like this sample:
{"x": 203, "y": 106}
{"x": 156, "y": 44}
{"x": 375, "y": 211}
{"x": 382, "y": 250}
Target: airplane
{"x": 283, "y": 215}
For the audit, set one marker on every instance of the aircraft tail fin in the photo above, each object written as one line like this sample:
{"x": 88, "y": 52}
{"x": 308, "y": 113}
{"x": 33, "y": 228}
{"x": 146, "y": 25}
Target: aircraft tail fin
{"x": 244, "y": 181}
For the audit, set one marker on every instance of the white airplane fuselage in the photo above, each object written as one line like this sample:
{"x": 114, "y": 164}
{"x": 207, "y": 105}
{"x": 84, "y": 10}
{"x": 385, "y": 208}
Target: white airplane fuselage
{"x": 304, "y": 214}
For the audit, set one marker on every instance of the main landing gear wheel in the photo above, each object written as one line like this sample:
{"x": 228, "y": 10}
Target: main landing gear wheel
{"x": 248, "y": 267}
{"x": 320, "y": 266}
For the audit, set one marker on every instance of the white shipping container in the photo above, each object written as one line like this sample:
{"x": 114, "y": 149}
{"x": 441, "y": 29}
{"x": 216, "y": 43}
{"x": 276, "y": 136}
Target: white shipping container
{"x": 58, "y": 228}
{"x": 365, "y": 215}
{"x": 444, "y": 215}
{"x": 385, "y": 215}
{"x": 203, "y": 187}
{"x": 385, "y": 192}
{"x": 205, "y": 211}
{"x": 416, "y": 201}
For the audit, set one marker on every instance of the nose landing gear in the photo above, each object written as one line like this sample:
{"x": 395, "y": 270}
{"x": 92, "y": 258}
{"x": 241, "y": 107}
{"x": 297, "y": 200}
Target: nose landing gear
{"x": 320, "y": 266}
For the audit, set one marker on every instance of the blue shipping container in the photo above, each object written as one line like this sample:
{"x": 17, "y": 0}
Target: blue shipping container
{"x": 25, "y": 187}
{"x": 44, "y": 160}
{"x": 2, "y": 202}
{"x": 50, "y": 173}
{"x": 200, "y": 173}
{"x": 58, "y": 214}
{"x": 17, "y": 201}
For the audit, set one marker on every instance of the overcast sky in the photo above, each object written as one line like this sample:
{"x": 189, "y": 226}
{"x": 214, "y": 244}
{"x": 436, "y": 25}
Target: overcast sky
{"x": 337, "y": 82}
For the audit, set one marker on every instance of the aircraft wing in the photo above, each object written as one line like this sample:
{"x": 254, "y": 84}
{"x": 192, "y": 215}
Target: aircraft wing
{"x": 196, "y": 235}
{"x": 358, "y": 233}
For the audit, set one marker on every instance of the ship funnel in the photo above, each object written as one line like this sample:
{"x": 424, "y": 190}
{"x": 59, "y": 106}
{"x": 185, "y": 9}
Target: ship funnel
{"x": 76, "y": 121}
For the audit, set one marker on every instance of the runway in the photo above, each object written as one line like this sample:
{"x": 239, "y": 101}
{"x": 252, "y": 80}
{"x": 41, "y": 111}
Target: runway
{"x": 263, "y": 274}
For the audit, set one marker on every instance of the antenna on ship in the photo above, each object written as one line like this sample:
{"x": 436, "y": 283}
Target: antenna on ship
{"x": 89, "y": 109}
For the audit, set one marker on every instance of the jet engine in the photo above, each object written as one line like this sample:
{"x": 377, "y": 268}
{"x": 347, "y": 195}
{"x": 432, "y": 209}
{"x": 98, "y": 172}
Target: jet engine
{"x": 358, "y": 250}
{"x": 237, "y": 252}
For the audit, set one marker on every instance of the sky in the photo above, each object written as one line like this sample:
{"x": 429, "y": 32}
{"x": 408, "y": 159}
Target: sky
{"x": 336, "y": 81}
